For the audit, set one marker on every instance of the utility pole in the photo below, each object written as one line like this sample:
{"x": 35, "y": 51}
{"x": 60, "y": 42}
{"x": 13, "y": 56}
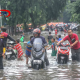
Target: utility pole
{"x": 0, "y": 18}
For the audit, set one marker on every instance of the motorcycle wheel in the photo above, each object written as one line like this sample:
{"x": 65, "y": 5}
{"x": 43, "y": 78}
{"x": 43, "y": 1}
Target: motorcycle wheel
{"x": 62, "y": 61}
{"x": 12, "y": 57}
{"x": 37, "y": 67}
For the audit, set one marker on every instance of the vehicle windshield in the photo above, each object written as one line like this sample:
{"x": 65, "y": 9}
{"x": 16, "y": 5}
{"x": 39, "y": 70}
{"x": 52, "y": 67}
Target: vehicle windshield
{"x": 37, "y": 44}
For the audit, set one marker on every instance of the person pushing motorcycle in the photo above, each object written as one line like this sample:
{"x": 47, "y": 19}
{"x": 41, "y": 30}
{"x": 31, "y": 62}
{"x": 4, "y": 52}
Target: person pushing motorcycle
{"x": 74, "y": 43}
{"x": 6, "y": 36}
{"x": 36, "y": 34}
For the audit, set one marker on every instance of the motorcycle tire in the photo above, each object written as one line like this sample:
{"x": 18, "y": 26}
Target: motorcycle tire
{"x": 64, "y": 61}
{"x": 37, "y": 67}
{"x": 12, "y": 57}
{"x": 43, "y": 65}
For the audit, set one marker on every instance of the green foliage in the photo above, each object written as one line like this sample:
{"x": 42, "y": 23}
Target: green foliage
{"x": 74, "y": 9}
{"x": 33, "y": 11}
{"x": 66, "y": 16}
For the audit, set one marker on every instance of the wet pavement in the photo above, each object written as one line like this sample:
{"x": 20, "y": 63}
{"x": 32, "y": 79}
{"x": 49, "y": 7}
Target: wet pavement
{"x": 17, "y": 70}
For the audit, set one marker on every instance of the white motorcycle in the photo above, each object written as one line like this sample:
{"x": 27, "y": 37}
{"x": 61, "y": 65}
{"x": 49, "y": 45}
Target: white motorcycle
{"x": 38, "y": 54}
{"x": 11, "y": 54}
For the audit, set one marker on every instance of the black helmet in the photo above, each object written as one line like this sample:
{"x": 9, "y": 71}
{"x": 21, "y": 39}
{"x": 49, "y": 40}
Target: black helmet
{"x": 3, "y": 29}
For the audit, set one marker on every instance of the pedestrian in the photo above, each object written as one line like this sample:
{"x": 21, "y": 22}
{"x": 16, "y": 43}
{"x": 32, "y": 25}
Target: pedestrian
{"x": 54, "y": 47}
{"x": 55, "y": 33}
{"x": 49, "y": 38}
{"x": 19, "y": 49}
{"x": 62, "y": 29}
{"x": 2, "y": 51}
{"x": 74, "y": 44}
{"x": 6, "y": 36}
{"x": 65, "y": 32}
{"x": 58, "y": 38}
{"x": 22, "y": 37}
{"x": 22, "y": 40}
{"x": 28, "y": 50}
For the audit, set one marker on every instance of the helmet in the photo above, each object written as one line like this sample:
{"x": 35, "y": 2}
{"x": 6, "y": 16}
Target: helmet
{"x": 37, "y": 31}
{"x": 3, "y": 29}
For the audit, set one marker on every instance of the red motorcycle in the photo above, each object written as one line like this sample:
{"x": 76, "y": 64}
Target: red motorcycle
{"x": 63, "y": 53}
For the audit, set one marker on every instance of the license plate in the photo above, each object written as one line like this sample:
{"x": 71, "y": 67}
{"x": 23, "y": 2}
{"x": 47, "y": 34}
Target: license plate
{"x": 62, "y": 57}
{"x": 37, "y": 61}
{"x": 8, "y": 53}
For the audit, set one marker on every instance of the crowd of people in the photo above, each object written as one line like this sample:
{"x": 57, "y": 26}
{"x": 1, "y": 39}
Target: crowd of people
{"x": 73, "y": 40}
{"x": 51, "y": 41}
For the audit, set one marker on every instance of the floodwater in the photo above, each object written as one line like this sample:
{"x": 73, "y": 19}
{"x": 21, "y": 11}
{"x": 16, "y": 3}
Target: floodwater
{"x": 17, "y": 70}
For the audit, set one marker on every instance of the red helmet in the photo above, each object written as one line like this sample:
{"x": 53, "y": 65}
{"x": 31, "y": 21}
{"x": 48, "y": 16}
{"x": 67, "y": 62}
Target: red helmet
{"x": 36, "y": 31}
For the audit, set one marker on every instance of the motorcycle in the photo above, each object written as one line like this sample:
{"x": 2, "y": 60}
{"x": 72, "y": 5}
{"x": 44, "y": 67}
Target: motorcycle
{"x": 11, "y": 54}
{"x": 38, "y": 54}
{"x": 63, "y": 53}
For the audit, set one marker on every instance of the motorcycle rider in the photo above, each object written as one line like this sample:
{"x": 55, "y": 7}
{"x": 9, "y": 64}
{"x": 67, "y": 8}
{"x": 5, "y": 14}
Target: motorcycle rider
{"x": 6, "y": 36}
{"x": 36, "y": 33}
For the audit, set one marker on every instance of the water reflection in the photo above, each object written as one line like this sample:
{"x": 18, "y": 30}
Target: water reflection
{"x": 17, "y": 70}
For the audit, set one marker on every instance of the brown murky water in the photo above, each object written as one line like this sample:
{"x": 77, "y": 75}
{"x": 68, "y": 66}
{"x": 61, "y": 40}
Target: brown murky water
{"x": 17, "y": 70}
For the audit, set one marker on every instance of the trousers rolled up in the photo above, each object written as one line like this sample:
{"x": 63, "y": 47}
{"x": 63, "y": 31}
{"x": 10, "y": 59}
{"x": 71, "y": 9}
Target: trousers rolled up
{"x": 75, "y": 54}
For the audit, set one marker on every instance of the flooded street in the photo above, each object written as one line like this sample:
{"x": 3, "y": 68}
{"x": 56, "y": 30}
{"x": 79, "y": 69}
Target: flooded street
{"x": 17, "y": 70}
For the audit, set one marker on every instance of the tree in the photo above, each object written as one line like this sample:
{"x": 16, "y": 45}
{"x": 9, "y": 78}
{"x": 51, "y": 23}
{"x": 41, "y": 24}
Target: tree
{"x": 35, "y": 12}
{"x": 74, "y": 9}
{"x": 67, "y": 13}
